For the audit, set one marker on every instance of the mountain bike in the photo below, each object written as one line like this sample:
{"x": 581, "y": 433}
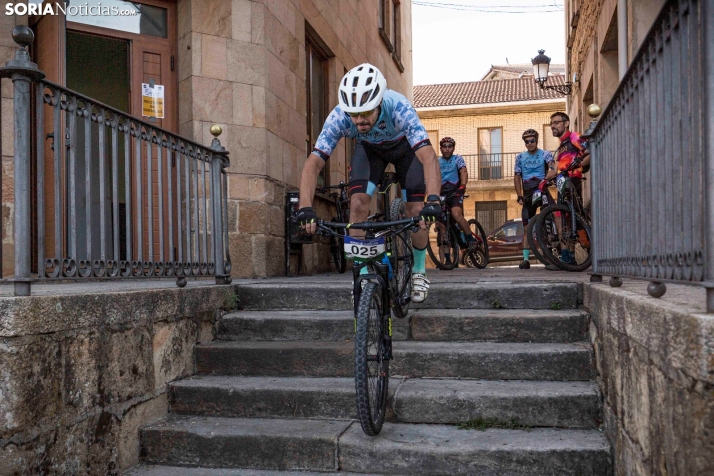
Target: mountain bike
{"x": 446, "y": 240}
{"x": 571, "y": 230}
{"x": 375, "y": 293}
{"x": 342, "y": 207}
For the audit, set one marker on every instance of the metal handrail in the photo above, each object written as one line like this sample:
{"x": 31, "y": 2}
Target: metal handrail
{"x": 653, "y": 159}
{"x": 175, "y": 223}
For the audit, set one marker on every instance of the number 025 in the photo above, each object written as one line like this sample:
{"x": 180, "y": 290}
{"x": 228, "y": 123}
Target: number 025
{"x": 364, "y": 250}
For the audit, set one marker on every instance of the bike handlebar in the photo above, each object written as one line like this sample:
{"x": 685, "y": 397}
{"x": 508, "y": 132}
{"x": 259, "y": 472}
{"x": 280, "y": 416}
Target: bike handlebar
{"x": 398, "y": 225}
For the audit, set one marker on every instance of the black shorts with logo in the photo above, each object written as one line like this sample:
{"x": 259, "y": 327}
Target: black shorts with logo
{"x": 369, "y": 162}
{"x": 529, "y": 208}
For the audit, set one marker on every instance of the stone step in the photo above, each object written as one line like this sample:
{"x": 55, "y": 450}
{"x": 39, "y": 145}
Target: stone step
{"x": 482, "y": 295}
{"x": 476, "y": 360}
{"x": 490, "y": 325}
{"x": 153, "y": 470}
{"x": 529, "y": 403}
{"x": 326, "y": 445}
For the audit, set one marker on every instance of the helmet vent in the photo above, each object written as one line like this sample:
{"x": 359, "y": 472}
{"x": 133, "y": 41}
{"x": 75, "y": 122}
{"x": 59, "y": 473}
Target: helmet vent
{"x": 376, "y": 92}
{"x": 355, "y": 82}
{"x": 365, "y": 98}
{"x": 369, "y": 81}
{"x": 344, "y": 97}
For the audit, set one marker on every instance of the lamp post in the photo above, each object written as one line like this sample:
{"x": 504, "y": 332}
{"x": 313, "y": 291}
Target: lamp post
{"x": 541, "y": 64}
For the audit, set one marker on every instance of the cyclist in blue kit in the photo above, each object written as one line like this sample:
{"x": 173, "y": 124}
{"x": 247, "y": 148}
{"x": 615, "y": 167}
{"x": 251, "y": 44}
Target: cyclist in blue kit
{"x": 454, "y": 177}
{"x": 387, "y": 130}
{"x": 529, "y": 171}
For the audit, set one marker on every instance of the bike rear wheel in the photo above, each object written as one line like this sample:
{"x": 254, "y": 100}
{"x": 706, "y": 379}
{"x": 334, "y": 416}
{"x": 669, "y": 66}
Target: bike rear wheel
{"x": 371, "y": 362}
{"x": 443, "y": 246}
{"x": 479, "y": 257}
{"x": 403, "y": 260}
{"x": 553, "y": 240}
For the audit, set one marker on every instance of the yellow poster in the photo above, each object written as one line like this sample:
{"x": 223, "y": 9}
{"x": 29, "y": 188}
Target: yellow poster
{"x": 152, "y": 100}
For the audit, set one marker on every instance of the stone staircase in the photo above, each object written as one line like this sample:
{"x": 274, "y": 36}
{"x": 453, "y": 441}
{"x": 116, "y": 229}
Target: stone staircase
{"x": 274, "y": 395}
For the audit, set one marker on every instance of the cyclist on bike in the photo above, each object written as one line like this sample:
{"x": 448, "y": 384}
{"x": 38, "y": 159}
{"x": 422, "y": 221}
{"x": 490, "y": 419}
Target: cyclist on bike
{"x": 529, "y": 172}
{"x": 387, "y": 130}
{"x": 572, "y": 147}
{"x": 454, "y": 177}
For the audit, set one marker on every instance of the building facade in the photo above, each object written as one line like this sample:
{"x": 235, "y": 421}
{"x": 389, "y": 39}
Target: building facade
{"x": 487, "y": 119}
{"x": 265, "y": 71}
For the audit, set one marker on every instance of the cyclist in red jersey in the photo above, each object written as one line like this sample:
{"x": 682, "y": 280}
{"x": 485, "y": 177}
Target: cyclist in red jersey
{"x": 572, "y": 147}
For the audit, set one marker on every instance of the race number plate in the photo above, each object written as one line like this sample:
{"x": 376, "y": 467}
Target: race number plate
{"x": 560, "y": 183}
{"x": 536, "y": 197}
{"x": 363, "y": 249}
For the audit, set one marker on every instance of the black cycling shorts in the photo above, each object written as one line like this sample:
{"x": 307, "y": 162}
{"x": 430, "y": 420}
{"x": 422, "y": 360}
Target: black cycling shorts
{"x": 370, "y": 161}
{"x": 454, "y": 200}
{"x": 529, "y": 209}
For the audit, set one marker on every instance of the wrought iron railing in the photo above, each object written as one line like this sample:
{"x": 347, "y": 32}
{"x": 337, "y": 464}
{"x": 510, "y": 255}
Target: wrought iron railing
{"x": 490, "y": 166}
{"x": 114, "y": 196}
{"x": 653, "y": 158}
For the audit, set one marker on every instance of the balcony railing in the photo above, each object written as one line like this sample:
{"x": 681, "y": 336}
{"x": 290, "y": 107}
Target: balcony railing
{"x": 490, "y": 166}
{"x": 114, "y": 196}
{"x": 653, "y": 158}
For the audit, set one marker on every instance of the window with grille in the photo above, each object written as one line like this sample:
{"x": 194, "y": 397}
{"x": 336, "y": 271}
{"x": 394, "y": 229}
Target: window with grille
{"x": 490, "y": 153}
{"x": 491, "y": 215}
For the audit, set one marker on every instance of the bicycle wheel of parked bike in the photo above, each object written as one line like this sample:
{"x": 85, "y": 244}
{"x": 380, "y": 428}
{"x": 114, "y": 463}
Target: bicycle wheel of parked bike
{"x": 477, "y": 258}
{"x": 371, "y": 366}
{"x": 402, "y": 252}
{"x": 554, "y": 239}
{"x": 338, "y": 252}
{"x": 533, "y": 242}
{"x": 443, "y": 246}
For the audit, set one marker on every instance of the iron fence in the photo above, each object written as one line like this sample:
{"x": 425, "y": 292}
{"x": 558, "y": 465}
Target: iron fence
{"x": 490, "y": 166}
{"x": 114, "y": 196}
{"x": 653, "y": 158}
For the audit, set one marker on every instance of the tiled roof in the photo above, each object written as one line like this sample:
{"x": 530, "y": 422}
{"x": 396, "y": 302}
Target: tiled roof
{"x": 484, "y": 92}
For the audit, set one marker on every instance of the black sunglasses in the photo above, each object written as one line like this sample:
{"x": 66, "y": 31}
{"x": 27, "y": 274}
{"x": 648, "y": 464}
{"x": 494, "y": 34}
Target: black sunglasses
{"x": 530, "y": 141}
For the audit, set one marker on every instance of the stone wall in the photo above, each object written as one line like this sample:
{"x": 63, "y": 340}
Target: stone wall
{"x": 242, "y": 64}
{"x": 656, "y": 364}
{"x": 82, "y": 372}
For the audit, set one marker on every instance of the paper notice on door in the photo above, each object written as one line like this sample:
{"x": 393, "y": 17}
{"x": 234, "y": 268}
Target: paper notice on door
{"x": 152, "y": 100}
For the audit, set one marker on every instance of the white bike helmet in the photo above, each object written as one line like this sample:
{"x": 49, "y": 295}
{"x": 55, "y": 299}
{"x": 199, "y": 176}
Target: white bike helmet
{"x": 362, "y": 88}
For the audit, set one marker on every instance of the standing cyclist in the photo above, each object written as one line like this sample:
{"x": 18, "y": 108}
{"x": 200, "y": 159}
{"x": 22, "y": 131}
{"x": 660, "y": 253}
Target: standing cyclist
{"x": 454, "y": 177}
{"x": 528, "y": 173}
{"x": 572, "y": 147}
{"x": 387, "y": 131}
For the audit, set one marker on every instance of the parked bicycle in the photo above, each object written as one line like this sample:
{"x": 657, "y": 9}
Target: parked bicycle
{"x": 342, "y": 207}
{"x": 383, "y": 250}
{"x": 565, "y": 226}
{"x": 447, "y": 241}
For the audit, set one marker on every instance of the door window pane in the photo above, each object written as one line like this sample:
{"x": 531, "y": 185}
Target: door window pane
{"x": 121, "y": 15}
{"x": 490, "y": 147}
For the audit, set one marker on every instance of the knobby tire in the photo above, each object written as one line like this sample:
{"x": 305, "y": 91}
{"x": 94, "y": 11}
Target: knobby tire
{"x": 371, "y": 367}
{"x": 402, "y": 250}
{"x": 543, "y": 238}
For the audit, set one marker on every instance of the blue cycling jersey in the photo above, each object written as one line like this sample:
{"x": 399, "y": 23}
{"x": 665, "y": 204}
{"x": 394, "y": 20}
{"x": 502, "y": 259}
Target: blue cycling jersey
{"x": 397, "y": 121}
{"x": 450, "y": 169}
{"x": 530, "y": 166}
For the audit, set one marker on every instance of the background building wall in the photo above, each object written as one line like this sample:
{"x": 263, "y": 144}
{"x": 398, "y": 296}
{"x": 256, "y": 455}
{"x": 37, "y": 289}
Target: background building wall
{"x": 464, "y": 129}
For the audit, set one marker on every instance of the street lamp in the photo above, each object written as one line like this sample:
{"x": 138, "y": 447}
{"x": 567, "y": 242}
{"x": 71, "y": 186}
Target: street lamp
{"x": 541, "y": 63}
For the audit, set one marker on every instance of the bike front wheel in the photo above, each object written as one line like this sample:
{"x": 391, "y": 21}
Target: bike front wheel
{"x": 371, "y": 360}
{"x": 554, "y": 233}
{"x": 443, "y": 246}
{"x": 531, "y": 236}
